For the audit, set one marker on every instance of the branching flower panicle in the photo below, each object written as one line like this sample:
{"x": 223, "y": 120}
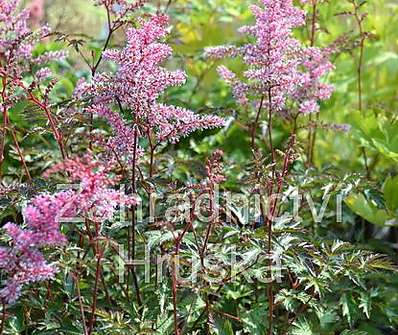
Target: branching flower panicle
{"x": 137, "y": 86}
{"x": 95, "y": 199}
{"x": 276, "y": 61}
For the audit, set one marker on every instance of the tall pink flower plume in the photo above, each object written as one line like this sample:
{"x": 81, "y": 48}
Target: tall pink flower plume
{"x": 137, "y": 86}
{"x": 23, "y": 261}
{"x": 95, "y": 199}
{"x": 277, "y": 63}
{"x": 17, "y": 42}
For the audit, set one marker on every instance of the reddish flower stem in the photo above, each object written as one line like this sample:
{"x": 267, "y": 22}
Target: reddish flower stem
{"x": 270, "y": 293}
{"x": 5, "y": 121}
{"x": 107, "y": 41}
{"x": 3, "y": 316}
{"x": 271, "y": 145}
{"x": 312, "y": 132}
{"x": 254, "y": 129}
{"x": 58, "y": 136}
{"x": 362, "y": 35}
{"x": 271, "y": 214}
{"x": 174, "y": 292}
{"x": 98, "y": 252}
{"x": 133, "y": 223}
{"x": 6, "y": 124}
{"x": 20, "y": 154}
{"x": 177, "y": 246}
{"x": 77, "y": 283}
{"x": 95, "y": 66}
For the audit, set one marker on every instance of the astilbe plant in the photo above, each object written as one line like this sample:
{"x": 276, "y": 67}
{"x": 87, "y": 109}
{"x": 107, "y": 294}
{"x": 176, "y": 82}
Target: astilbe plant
{"x": 285, "y": 77}
{"x": 136, "y": 88}
{"x": 94, "y": 199}
{"x": 17, "y": 43}
{"x": 281, "y": 74}
{"x": 22, "y": 261}
{"x": 279, "y": 67}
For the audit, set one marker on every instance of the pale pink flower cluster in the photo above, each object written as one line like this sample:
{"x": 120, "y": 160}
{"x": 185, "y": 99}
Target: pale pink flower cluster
{"x": 50, "y": 56}
{"x": 23, "y": 261}
{"x": 43, "y": 74}
{"x": 278, "y": 64}
{"x": 311, "y": 90}
{"x": 122, "y": 142}
{"x": 138, "y": 84}
{"x": 95, "y": 199}
{"x": 17, "y": 42}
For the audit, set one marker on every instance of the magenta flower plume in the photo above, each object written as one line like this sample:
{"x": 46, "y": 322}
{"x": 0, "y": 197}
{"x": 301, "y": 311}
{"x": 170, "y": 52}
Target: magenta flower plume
{"x": 95, "y": 199}
{"x": 138, "y": 84}
{"x": 278, "y": 65}
{"x": 22, "y": 268}
{"x": 14, "y": 31}
{"x": 23, "y": 261}
{"x": 17, "y": 41}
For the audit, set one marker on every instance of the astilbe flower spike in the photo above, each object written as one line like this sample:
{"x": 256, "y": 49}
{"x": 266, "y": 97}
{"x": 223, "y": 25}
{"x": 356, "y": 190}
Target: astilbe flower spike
{"x": 278, "y": 65}
{"x": 23, "y": 261}
{"x": 17, "y": 41}
{"x": 137, "y": 86}
{"x": 95, "y": 199}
